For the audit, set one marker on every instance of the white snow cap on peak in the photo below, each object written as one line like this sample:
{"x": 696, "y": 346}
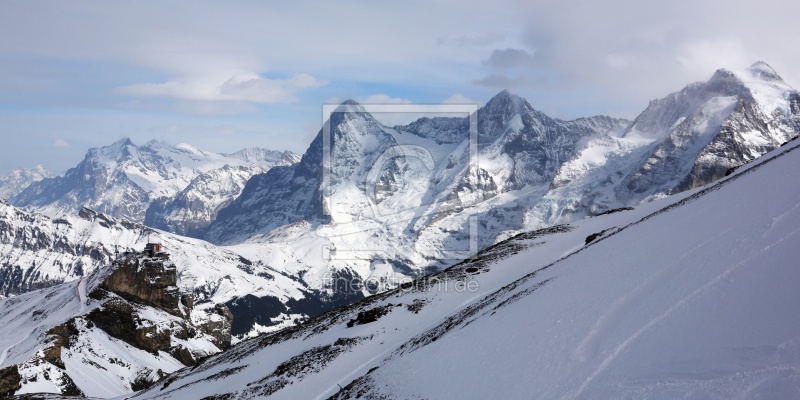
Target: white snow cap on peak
{"x": 763, "y": 71}
{"x": 505, "y": 101}
{"x": 350, "y": 106}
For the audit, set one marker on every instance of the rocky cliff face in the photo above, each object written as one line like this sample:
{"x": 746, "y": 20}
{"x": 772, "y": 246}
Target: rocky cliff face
{"x": 118, "y": 330}
{"x": 141, "y": 280}
{"x": 193, "y": 208}
{"x": 38, "y": 252}
{"x": 150, "y": 281}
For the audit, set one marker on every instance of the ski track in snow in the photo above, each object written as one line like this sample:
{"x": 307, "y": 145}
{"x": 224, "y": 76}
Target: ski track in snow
{"x": 81, "y": 288}
{"x": 622, "y": 305}
{"x": 7, "y": 349}
{"x": 675, "y": 307}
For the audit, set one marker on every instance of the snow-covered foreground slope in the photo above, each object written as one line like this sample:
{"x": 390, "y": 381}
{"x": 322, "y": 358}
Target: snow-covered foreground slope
{"x": 693, "y": 296}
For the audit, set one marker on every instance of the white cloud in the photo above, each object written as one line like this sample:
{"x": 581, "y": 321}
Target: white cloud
{"x": 214, "y": 107}
{"x": 458, "y": 98}
{"x": 470, "y": 40}
{"x": 241, "y": 87}
{"x": 703, "y": 57}
{"x": 500, "y": 81}
{"x": 509, "y": 58}
{"x": 602, "y": 57}
{"x": 382, "y": 99}
{"x": 60, "y": 143}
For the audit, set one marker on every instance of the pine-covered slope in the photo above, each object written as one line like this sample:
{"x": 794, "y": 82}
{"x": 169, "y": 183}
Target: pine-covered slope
{"x": 693, "y": 293}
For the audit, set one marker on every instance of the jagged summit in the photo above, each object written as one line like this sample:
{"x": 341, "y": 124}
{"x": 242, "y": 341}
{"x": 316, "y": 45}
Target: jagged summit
{"x": 350, "y": 106}
{"x": 261, "y": 155}
{"x": 724, "y": 82}
{"x": 124, "y": 141}
{"x": 19, "y": 179}
{"x": 123, "y": 179}
{"x": 505, "y": 101}
{"x": 762, "y": 70}
{"x": 119, "y": 150}
{"x": 709, "y": 127}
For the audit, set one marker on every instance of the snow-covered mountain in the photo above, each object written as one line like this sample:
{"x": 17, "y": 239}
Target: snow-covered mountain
{"x": 693, "y": 294}
{"x": 684, "y": 140}
{"x": 123, "y": 179}
{"x": 403, "y": 201}
{"x": 398, "y": 200}
{"x": 733, "y": 118}
{"x": 19, "y": 179}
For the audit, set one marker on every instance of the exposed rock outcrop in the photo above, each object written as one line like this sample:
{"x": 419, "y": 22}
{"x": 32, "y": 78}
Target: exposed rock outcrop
{"x": 135, "y": 301}
{"x": 9, "y": 380}
{"x": 150, "y": 281}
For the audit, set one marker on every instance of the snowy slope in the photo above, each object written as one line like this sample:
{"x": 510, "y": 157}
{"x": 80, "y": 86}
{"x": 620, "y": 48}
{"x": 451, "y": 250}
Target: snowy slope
{"x": 194, "y": 207}
{"x": 692, "y": 295}
{"x": 40, "y": 250}
{"x": 122, "y": 179}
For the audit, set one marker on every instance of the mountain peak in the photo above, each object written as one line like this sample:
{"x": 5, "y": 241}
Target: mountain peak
{"x": 157, "y": 144}
{"x": 505, "y": 95}
{"x": 505, "y": 100}
{"x": 722, "y": 74}
{"x": 762, "y": 70}
{"x": 117, "y": 150}
{"x": 350, "y": 105}
{"x": 125, "y": 141}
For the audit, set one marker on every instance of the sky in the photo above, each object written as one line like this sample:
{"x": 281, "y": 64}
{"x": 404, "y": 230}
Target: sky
{"x": 228, "y": 75}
